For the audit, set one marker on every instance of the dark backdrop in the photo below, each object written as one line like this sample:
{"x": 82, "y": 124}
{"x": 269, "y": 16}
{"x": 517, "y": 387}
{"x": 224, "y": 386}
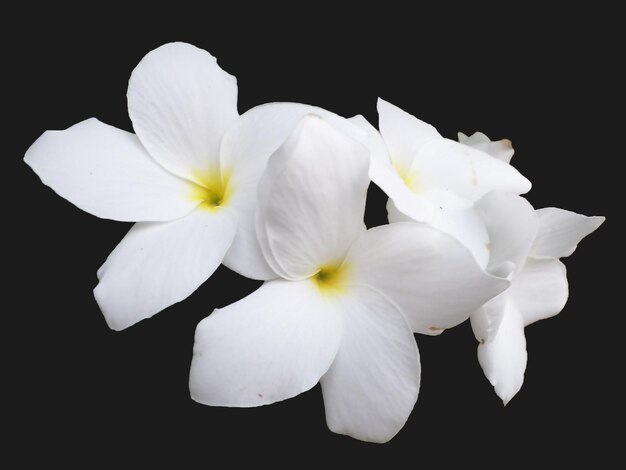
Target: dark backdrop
{"x": 78, "y": 390}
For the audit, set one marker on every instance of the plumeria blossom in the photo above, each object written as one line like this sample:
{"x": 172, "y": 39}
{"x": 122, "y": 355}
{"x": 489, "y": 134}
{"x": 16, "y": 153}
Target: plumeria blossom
{"x": 435, "y": 180}
{"x": 168, "y": 178}
{"x": 346, "y": 299}
{"x": 525, "y": 247}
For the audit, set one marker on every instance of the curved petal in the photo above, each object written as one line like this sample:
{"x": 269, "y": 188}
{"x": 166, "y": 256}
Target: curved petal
{"x": 470, "y": 173}
{"x": 499, "y": 149}
{"x": 540, "y": 290}
{"x": 430, "y": 276}
{"x": 245, "y": 255}
{"x": 105, "y": 171}
{"x": 403, "y": 134}
{"x": 486, "y": 320}
{"x": 512, "y": 227}
{"x": 181, "y": 102}
{"x": 385, "y": 176}
{"x": 159, "y": 264}
{"x": 457, "y": 217}
{"x": 560, "y": 231}
{"x": 504, "y": 359}
{"x": 478, "y": 140}
{"x": 372, "y": 386}
{"x": 272, "y": 345}
{"x": 312, "y": 199}
{"x": 394, "y": 215}
{"x": 245, "y": 150}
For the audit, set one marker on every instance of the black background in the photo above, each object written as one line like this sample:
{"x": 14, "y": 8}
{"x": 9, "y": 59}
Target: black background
{"x": 79, "y": 391}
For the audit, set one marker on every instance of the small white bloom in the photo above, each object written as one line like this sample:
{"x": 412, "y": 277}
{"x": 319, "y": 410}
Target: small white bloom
{"x": 525, "y": 247}
{"x": 435, "y": 180}
{"x": 338, "y": 312}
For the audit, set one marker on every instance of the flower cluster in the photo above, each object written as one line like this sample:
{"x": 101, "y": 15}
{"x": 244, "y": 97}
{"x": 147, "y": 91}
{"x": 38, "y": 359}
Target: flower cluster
{"x": 278, "y": 194}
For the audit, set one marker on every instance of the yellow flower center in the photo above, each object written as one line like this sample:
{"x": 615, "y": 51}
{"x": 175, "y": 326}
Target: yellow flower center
{"x": 211, "y": 188}
{"x": 409, "y": 176}
{"x": 331, "y": 279}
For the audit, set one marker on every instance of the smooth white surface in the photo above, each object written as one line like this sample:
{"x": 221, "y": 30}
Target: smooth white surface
{"x": 158, "y": 264}
{"x": 372, "y": 386}
{"x": 272, "y": 345}
{"x": 432, "y": 278}
{"x": 181, "y": 103}
{"x": 560, "y": 231}
{"x": 245, "y": 150}
{"x": 312, "y": 199}
{"x": 105, "y": 171}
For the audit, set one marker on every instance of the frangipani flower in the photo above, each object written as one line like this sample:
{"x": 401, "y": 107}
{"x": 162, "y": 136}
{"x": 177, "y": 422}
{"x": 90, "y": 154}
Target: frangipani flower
{"x": 435, "y": 180}
{"x": 525, "y": 246}
{"x": 338, "y": 312}
{"x": 168, "y": 178}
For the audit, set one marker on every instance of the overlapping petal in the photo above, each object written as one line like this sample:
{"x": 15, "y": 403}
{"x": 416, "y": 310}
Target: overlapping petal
{"x": 560, "y": 231}
{"x": 470, "y": 173}
{"x": 312, "y": 199}
{"x": 387, "y": 178}
{"x": 159, "y": 264}
{"x": 512, "y": 227}
{"x": 499, "y": 149}
{"x": 245, "y": 150}
{"x": 181, "y": 103}
{"x": 503, "y": 359}
{"x": 105, "y": 171}
{"x": 432, "y": 278}
{"x": 272, "y": 345}
{"x": 486, "y": 320}
{"x": 403, "y": 134}
{"x": 540, "y": 290}
{"x": 372, "y": 386}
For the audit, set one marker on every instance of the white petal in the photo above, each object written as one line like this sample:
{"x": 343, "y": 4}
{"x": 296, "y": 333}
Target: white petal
{"x": 105, "y": 171}
{"x": 486, "y": 320}
{"x": 244, "y": 255}
{"x": 386, "y": 177}
{"x": 540, "y": 290}
{"x": 457, "y": 217}
{"x": 560, "y": 231}
{"x": 181, "y": 102}
{"x": 372, "y": 386}
{"x": 312, "y": 199}
{"x": 272, "y": 345}
{"x": 470, "y": 173}
{"x": 375, "y": 143}
{"x": 403, "y": 134}
{"x": 504, "y": 359}
{"x": 428, "y": 274}
{"x": 394, "y": 215}
{"x": 512, "y": 226}
{"x": 499, "y": 149}
{"x": 159, "y": 264}
{"x": 476, "y": 140}
{"x": 245, "y": 149}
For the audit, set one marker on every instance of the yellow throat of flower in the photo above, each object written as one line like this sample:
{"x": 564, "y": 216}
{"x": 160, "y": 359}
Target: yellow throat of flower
{"x": 410, "y": 176}
{"x": 331, "y": 279}
{"x": 211, "y": 188}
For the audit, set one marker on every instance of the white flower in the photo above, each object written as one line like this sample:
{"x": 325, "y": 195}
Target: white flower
{"x": 525, "y": 247}
{"x": 338, "y": 314}
{"x": 193, "y": 202}
{"x": 435, "y": 180}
